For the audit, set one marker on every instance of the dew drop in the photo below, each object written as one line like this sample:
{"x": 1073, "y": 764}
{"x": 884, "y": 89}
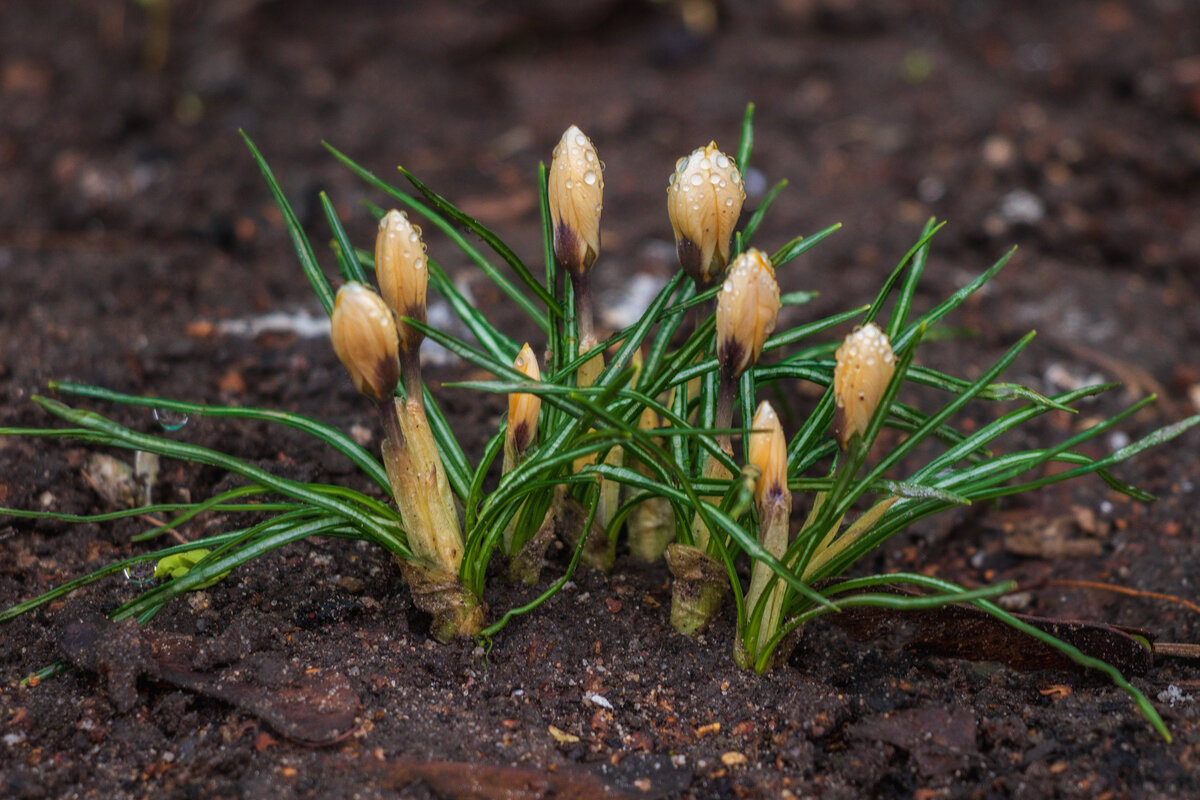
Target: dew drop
{"x": 727, "y": 286}
{"x": 589, "y": 155}
{"x": 715, "y": 180}
{"x": 580, "y": 139}
{"x": 570, "y": 184}
{"x": 704, "y": 164}
{"x": 728, "y": 201}
{"x": 681, "y": 164}
{"x": 141, "y": 573}
{"x": 170, "y": 420}
{"x": 722, "y": 162}
{"x": 697, "y": 180}
{"x": 589, "y": 177}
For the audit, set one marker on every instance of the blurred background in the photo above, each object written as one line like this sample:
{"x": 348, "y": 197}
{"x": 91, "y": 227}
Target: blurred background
{"x": 139, "y": 247}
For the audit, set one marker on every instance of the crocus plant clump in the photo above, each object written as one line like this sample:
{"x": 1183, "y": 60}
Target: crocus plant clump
{"x": 633, "y": 433}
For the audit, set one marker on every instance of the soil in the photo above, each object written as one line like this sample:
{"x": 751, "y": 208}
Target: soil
{"x": 133, "y": 224}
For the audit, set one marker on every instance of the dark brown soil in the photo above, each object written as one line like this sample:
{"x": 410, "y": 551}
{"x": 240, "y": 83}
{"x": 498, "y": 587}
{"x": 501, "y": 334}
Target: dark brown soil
{"x": 132, "y": 221}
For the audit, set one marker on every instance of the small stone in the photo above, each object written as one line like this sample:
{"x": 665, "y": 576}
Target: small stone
{"x": 351, "y": 584}
{"x": 561, "y": 736}
{"x": 733, "y": 759}
{"x": 361, "y": 434}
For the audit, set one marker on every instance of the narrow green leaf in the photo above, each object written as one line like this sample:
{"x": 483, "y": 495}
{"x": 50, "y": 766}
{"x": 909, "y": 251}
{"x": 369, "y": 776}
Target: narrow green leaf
{"x": 800, "y": 245}
{"x": 746, "y": 143}
{"x": 308, "y": 260}
{"x": 909, "y": 288}
{"x": 493, "y": 241}
{"x": 346, "y": 254}
{"x": 757, "y": 217}
{"x": 326, "y": 433}
{"x": 502, "y": 283}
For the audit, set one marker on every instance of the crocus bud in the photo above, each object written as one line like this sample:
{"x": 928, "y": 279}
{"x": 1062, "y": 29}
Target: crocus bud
{"x": 865, "y": 364}
{"x": 704, "y": 199}
{"x": 576, "y": 190}
{"x": 402, "y": 269}
{"x": 767, "y": 450}
{"x": 364, "y": 338}
{"x": 747, "y": 306}
{"x": 523, "y": 408}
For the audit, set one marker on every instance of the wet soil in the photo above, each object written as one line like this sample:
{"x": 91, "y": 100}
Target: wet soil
{"x": 133, "y": 224}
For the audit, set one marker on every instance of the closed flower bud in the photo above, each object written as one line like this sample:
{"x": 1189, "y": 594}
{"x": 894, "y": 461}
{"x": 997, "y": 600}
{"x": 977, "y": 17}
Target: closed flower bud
{"x": 576, "y": 190}
{"x": 523, "y": 407}
{"x": 767, "y": 450}
{"x": 865, "y": 364}
{"x": 403, "y": 272}
{"x": 747, "y": 306}
{"x": 364, "y": 338}
{"x": 704, "y": 199}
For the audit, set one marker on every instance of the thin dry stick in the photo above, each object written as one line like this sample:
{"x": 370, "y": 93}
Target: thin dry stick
{"x": 1112, "y": 587}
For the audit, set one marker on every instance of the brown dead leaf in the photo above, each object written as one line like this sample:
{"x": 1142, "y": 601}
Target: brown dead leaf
{"x": 316, "y": 709}
{"x": 961, "y": 631}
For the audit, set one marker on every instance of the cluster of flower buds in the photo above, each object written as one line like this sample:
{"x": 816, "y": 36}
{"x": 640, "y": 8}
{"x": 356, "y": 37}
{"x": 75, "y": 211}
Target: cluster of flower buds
{"x": 747, "y": 307}
{"x": 575, "y": 193}
{"x": 704, "y": 199}
{"x": 365, "y": 334}
{"x": 865, "y": 364}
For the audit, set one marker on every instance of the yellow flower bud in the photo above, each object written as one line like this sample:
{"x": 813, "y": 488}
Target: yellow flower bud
{"x": 576, "y": 190}
{"x": 403, "y": 272}
{"x": 523, "y": 407}
{"x": 865, "y": 364}
{"x": 364, "y": 338}
{"x": 747, "y": 306}
{"x": 704, "y": 199}
{"x": 767, "y": 450}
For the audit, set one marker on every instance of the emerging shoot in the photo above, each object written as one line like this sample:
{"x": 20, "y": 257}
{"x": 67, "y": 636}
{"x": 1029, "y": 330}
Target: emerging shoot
{"x": 747, "y": 307}
{"x": 767, "y": 451}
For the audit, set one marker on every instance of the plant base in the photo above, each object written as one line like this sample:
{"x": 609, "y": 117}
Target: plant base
{"x": 599, "y": 551}
{"x": 698, "y": 590}
{"x": 526, "y": 563}
{"x": 651, "y": 528}
{"x": 456, "y": 611}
